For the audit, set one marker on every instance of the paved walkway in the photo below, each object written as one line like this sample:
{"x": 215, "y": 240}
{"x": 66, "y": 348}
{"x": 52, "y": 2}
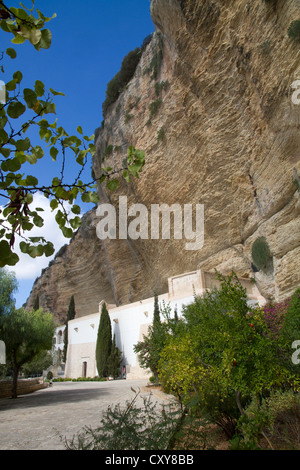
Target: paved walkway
{"x": 36, "y": 421}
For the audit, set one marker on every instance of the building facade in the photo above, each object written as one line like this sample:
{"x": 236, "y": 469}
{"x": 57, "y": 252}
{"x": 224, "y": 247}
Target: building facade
{"x": 130, "y": 323}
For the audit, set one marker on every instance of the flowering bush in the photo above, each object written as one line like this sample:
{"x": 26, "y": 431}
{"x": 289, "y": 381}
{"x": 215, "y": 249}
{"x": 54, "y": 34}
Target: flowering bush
{"x": 274, "y": 315}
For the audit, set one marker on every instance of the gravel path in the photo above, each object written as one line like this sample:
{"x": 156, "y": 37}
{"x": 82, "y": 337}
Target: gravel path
{"x": 35, "y": 421}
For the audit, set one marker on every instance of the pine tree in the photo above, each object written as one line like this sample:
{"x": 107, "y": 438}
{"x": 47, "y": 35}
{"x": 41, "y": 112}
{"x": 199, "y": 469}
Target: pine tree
{"x": 70, "y": 316}
{"x": 104, "y": 343}
{"x": 114, "y": 360}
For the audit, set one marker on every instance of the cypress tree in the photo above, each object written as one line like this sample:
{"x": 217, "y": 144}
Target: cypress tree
{"x": 114, "y": 360}
{"x": 104, "y": 343}
{"x": 70, "y": 316}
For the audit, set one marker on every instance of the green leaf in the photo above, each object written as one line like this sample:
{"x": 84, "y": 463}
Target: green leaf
{"x": 113, "y": 184}
{"x": 53, "y": 153}
{"x": 11, "y": 53}
{"x": 31, "y": 159}
{"x": 37, "y": 152}
{"x": 126, "y": 176}
{"x": 79, "y": 129}
{"x": 10, "y": 86}
{"x": 4, "y": 249}
{"x": 67, "y": 232}
{"x": 76, "y": 209}
{"x": 49, "y": 249}
{"x": 45, "y": 18}
{"x": 16, "y": 109}
{"x": 56, "y": 92}
{"x": 75, "y": 223}
{"x": 31, "y": 180}
{"x": 39, "y": 88}
{"x": 24, "y": 247}
{"x": 5, "y": 152}
{"x": 23, "y": 144}
{"x": 7, "y": 257}
{"x": 29, "y": 198}
{"x": 38, "y": 221}
{"x": 45, "y": 41}
{"x": 18, "y": 76}
{"x": 3, "y": 122}
{"x": 30, "y": 97}
{"x": 53, "y": 204}
{"x": 35, "y": 239}
{"x": 11, "y": 164}
{"x": 18, "y": 39}
{"x": 50, "y": 108}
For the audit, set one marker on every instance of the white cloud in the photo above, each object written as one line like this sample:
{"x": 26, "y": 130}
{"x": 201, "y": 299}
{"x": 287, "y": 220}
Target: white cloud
{"x": 30, "y": 268}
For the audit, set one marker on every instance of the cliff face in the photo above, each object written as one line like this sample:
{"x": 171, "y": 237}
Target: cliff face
{"x": 211, "y": 105}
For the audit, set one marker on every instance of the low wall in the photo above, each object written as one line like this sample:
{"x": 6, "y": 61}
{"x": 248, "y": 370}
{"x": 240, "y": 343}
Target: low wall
{"x": 24, "y": 386}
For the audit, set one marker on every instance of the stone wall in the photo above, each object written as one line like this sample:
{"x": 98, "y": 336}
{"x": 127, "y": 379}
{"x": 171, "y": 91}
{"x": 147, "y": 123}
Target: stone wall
{"x": 24, "y": 386}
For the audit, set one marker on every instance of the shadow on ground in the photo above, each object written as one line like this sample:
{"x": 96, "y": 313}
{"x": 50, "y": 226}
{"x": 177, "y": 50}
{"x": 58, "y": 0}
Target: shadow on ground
{"x": 50, "y": 396}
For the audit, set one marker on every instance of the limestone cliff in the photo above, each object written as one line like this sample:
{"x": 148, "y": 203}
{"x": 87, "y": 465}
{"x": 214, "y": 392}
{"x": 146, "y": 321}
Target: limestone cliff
{"x": 211, "y": 105}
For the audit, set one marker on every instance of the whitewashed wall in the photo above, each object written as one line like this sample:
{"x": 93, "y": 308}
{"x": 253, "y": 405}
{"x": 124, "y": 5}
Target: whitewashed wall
{"x": 130, "y": 322}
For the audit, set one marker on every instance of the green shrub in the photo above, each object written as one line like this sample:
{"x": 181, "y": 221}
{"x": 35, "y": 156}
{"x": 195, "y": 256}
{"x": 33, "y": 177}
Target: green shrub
{"x": 154, "y": 106}
{"x": 159, "y": 86}
{"x": 157, "y": 59}
{"x": 49, "y": 375}
{"x": 128, "y": 117}
{"x": 275, "y": 419}
{"x": 108, "y": 151}
{"x": 138, "y": 425}
{"x": 121, "y": 79}
{"x": 294, "y": 30}
{"x": 160, "y": 134}
{"x": 261, "y": 255}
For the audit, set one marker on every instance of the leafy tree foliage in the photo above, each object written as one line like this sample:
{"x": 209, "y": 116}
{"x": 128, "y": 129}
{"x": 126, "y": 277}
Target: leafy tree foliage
{"x": 136, "y": 425}
{"x": 8, "y": 286}
{"x": 33, "y": 108}
{"x": 150, "y": 348}
{"x": 104, "y": 343}
{"x": 26, "y": 335}
{"x": 117, "y": 84}
{"x": 294, "y": 30}
{"x": 114, "y": 360}
{"x": 222, "y": 352}
{"x": 261, "y": 254}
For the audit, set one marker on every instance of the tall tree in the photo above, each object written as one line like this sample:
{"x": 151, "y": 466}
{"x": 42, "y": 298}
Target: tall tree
{"x": 104, "y": 343}
{"x": 26, "y": 335}
{"x": 8, "y": 286}
{"x": 70, "y": 316}
{"x": 114, "y": 360}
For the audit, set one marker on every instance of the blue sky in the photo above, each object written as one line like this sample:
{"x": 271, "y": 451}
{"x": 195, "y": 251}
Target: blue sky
{"x": 89, "y": 41}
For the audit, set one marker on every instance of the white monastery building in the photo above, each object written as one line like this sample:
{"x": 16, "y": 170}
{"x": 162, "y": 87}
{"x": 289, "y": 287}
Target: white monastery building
{"x": 130, "y": 323}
